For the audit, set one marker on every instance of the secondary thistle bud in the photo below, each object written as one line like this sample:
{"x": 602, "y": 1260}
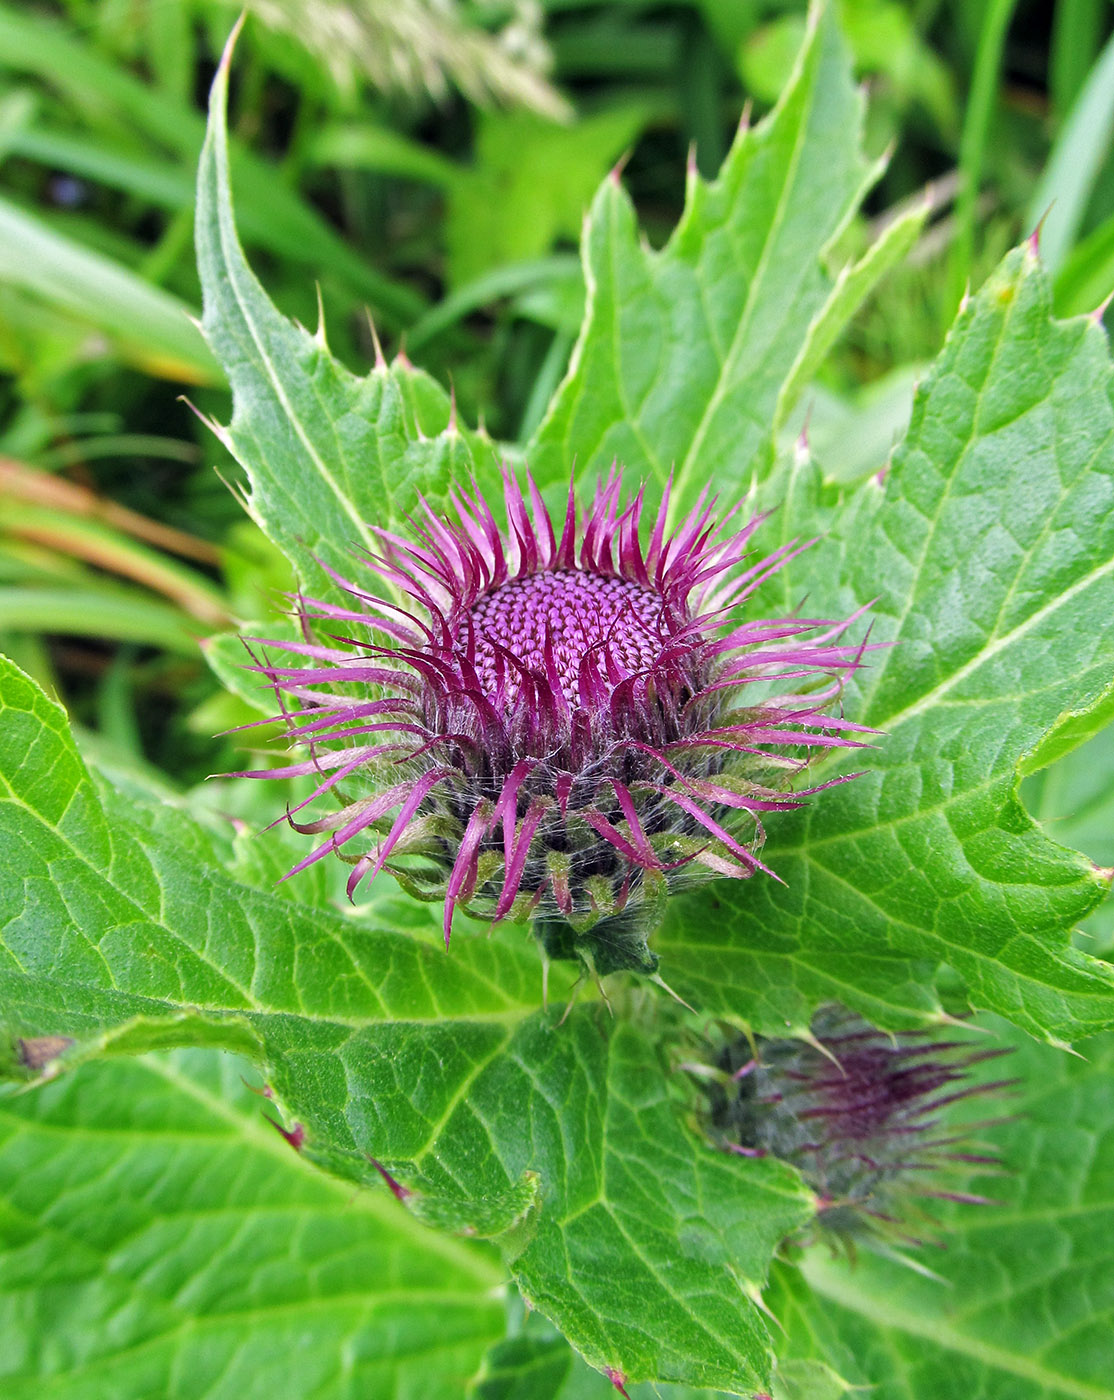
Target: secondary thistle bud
{"x": 860, "y": 1114}
{"x": 558, "y": 728}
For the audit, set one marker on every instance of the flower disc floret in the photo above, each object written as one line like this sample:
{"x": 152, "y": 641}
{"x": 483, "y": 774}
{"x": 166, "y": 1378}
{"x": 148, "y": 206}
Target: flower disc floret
{"x": 563, "y": 726}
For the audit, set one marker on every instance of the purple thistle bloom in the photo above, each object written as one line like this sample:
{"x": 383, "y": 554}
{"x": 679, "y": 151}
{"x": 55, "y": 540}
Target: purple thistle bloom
{"x": 558, "y": 728}
{"x": 859, "y": 1113}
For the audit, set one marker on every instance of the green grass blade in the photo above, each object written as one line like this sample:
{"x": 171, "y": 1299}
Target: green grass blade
{"x": 1087, "y": 276}
{"x": 361, "y": 146}
{"x": 98, "y": 158}
{"x": 1064, "y": 190}
{"x": 1077, "y": 27}
{"x": 973, "y": 143}
{"x": 489, "y": 287}
{"x": 99, "y": 544}
{"x": 104, "y": 615}
{"x": 29, "y": 44}
{"x": 149, "y": 327}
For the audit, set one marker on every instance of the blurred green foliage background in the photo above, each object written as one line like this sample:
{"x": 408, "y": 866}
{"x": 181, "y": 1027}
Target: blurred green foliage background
{"x": 425, "y": 165}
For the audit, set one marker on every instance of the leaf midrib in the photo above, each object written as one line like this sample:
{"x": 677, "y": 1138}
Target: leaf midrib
{"x": 251, "y": 1004}
{"x": 783, "y": 202}
{"x": 142, "y": 916}
{"x": 944, "y": 497}
{"x": 215, "y": 155}
{"x": 368, "y": 1201}
{"x": 834, "y": 759}
{"x": 998, "y": 644}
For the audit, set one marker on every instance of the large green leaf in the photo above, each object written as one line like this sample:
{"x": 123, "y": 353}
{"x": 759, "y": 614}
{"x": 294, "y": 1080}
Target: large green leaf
{"x": 1019, "y": 1305}
{"x": 638, "y": 1221}
{"x": 1074, "y": 802}
{"x": 687, "y": 356}
{"x": 990, "y": 548}
{"x": 109, "y": 915}
{"x": 328, "y": 455}
{"x": 535, "y": 1363}
{"x": 562, "y": 1141}
{"x": 157, "y": 1239}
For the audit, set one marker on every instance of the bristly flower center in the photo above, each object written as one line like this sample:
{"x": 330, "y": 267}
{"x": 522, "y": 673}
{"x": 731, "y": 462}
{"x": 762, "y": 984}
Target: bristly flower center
{"x": 560, "y": 725}
{"x": 549, "y": 622}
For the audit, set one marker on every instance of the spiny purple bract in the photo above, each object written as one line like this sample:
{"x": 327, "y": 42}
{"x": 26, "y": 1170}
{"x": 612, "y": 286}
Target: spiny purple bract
{"x": 859, "y": 1113}
{"x": 564, "y": 728}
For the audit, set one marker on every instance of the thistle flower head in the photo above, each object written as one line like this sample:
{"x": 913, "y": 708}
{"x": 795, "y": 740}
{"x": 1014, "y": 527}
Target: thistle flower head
{"x": 558, "y": 723}
{"x": 859, "y": 1113}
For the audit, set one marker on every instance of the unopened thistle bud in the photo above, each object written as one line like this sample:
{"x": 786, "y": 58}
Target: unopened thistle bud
{"x": 557, "y": 725}
{"x": 862, "y": 1116}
